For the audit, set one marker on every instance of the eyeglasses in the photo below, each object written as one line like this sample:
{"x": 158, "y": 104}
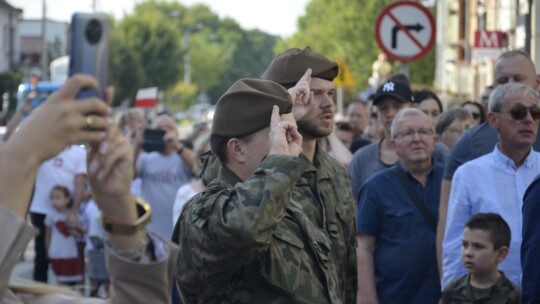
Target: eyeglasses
{"x": 519, "y": 112}
{"x": 410, "y": 134}
{"x": 475, "y": 116}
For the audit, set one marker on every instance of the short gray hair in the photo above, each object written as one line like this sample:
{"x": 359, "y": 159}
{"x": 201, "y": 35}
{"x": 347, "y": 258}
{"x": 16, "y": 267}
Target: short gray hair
{"x": 406, "y": 112}
{"x": 448, "y": 117}
{"x": 497, "y": 96}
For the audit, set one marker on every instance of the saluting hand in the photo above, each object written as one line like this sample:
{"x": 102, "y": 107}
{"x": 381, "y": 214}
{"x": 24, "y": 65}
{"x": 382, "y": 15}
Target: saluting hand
{"x": 302, "y": 96}
{"x": 284, "y": 136}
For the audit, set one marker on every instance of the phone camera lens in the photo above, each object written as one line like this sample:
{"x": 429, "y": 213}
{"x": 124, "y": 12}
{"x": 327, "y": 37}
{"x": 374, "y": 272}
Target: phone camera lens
{"x": 93, "y": 31}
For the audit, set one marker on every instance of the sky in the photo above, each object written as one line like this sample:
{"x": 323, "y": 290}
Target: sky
{"x": 276, "y": 17}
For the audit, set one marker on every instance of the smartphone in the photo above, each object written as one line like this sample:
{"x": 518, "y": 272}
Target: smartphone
{"x": 153, "y": 140}
{"x": 90, "y": 50}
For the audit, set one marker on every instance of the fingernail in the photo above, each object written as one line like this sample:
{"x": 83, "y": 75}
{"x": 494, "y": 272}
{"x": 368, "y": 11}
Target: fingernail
{"x": 93, "y": 167}
{"x": 103, "y": 148}
{"x": 101, "y": 175}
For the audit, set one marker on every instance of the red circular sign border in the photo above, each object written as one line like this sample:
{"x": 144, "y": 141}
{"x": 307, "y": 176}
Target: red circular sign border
{"x": 424, "y": 51}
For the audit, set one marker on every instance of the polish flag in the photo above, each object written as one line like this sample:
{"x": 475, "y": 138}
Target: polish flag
{"x": 146, "y": 98}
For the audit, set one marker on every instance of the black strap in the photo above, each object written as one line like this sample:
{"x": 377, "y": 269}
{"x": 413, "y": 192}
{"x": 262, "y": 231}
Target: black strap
{"x": 420, "y": 205}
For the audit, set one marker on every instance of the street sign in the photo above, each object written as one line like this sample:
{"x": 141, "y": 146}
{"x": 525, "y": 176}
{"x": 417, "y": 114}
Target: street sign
{"x": 405, "y": 31}
{"x": 488, "y": 44}
{"x": 344, "y": 77}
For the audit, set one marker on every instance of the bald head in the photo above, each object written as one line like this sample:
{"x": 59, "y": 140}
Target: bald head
{"x": 516, "y": 67}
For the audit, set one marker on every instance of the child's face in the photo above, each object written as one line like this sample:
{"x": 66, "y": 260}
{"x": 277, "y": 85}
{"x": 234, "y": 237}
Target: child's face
{"x": 59, "y": 200}
{"x": 478, "y": 253}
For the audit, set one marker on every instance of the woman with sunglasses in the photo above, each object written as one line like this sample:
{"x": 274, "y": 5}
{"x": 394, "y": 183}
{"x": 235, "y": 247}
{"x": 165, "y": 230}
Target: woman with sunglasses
{"x": 476, "y": 110}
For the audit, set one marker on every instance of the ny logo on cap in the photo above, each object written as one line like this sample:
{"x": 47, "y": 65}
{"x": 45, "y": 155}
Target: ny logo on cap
{"x": 388, "y": 87}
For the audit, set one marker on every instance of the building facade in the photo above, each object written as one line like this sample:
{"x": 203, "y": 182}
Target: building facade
{"x": 9, "y": 46}
{"x": 470, "y": 36}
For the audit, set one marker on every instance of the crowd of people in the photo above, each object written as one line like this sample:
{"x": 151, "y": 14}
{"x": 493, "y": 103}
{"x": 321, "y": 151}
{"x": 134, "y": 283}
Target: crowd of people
{"x": 403, "y": 201}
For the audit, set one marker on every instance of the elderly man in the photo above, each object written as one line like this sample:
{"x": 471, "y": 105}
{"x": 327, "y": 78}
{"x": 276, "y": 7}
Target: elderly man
{"x": 497, "y": 181}
{"x": 511, "y": 67}
{"x": 250, "y": 236}
{"x": 162, "y": 173}
{"x": 391, "y": 96}
{"x": 325, "y": 186}
{"x": 395, "y": 222}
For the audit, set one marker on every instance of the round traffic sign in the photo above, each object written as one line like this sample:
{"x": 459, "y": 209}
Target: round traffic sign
{"x": 405, "y": 31}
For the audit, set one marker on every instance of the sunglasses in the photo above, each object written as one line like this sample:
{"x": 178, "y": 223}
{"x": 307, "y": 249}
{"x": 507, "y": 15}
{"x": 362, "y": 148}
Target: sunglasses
{"x": 519, "y": 112}
{"x": 475, "y": 116}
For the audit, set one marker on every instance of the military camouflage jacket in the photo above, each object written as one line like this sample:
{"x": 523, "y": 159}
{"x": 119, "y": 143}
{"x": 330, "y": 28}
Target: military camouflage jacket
{"x": 461, "y": 292}
{"x": 285, "y": 235}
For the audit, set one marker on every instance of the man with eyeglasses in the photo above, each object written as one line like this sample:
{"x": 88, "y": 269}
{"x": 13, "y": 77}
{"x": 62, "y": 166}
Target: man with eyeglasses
{"x": 496, "y": 181}
{"x": 391, "y": 96}
{"x": 511, "y": 67}
{"x": 396, "y": 219}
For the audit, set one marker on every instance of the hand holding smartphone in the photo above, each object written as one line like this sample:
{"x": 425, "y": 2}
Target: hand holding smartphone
{"x": 90, "y": 50}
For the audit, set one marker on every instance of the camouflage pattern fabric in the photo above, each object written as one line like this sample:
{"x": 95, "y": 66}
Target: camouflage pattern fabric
{"x": 286, "y": 235}
{"x": 461, "y": 292}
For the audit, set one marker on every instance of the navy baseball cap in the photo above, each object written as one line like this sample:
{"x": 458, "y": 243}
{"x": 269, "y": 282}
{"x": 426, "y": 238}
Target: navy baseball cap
{"x": 398, "y": 90}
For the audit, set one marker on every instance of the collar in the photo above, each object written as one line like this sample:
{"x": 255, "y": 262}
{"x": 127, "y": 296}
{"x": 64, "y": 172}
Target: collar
{"x": 321, "y": 165}
{"x": 485, "y": 293}
{"x": 508, "y": 162}
{"x": 227, "y": 177}
{"x": 429, "y": 175}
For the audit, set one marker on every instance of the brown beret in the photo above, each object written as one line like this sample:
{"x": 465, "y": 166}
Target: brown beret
{"x": 288, "y": 67}
{"x": 247, "y": 107}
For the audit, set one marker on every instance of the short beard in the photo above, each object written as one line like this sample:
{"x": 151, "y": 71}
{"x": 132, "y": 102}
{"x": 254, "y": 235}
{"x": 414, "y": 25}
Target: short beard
{"x": 310, "y": 131}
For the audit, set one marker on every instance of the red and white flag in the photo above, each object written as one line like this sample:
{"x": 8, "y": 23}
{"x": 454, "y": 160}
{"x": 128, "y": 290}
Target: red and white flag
{"x": 146, "y": 98}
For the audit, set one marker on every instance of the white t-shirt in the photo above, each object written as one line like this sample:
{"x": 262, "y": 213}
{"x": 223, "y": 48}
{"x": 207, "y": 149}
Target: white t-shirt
{"x": 62, "y": 244}
{"x": 182, "y": 196}
{"x": 59, "y": 170}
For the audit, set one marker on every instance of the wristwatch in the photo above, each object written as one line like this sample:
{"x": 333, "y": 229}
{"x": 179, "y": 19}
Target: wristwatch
{"x": 144, "y": 213}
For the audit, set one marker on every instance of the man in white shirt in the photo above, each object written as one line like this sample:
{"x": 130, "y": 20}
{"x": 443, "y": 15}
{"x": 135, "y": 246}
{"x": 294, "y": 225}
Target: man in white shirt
{"x": 497, "y": 181}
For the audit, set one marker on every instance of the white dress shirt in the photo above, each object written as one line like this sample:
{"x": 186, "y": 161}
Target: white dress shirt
{"x": 490, "y": 183}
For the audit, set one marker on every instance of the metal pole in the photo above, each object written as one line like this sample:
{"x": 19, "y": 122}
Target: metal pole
{"x": 405, "y": 70}
{"x": 44, "y": 63}
{"x": 187, "y": 56}
{"x": 339, "y": 93}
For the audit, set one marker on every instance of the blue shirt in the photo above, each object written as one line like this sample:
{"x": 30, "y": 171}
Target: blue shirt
{"x": 530, "y": 248}
{"x": 490, "y": 183}
{"x": 404, "y": 258}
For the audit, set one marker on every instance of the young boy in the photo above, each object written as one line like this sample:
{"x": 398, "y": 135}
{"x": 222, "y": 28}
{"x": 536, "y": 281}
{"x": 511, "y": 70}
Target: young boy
{"x": 486, "y": 240}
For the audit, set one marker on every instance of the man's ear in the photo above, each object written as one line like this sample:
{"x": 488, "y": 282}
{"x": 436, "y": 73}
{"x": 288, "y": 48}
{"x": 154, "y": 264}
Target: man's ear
{"x": 235, "y": 148}
{"x": 393, "y": 144}
{"x": 537, "y": 82}
{"x": 493, "y": 120}
{"x": 502, "y": 253}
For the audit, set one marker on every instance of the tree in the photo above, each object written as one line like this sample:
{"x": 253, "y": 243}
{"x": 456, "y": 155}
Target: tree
{"x": 148, "y": 48}
{"x": 125, "y": 68}
{"x": 345, "y": 29}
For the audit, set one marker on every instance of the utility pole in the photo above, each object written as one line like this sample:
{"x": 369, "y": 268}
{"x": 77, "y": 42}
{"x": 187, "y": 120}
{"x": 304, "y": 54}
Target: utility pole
{"x": 44, "y": 63}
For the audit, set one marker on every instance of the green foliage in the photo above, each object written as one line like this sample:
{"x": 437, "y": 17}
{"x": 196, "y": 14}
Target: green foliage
{"x": 9, "y": 83}
{"x": 346, "y": 29}
{"x": 148, "y": 48}
{"x": 181, "y": 96}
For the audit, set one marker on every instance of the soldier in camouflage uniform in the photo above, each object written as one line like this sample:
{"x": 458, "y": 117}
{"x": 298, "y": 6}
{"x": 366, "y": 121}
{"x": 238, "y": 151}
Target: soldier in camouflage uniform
{"x": 324, "y": 189}
{"x": 264, "y": 237}
{"x": 486, "y": 240}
